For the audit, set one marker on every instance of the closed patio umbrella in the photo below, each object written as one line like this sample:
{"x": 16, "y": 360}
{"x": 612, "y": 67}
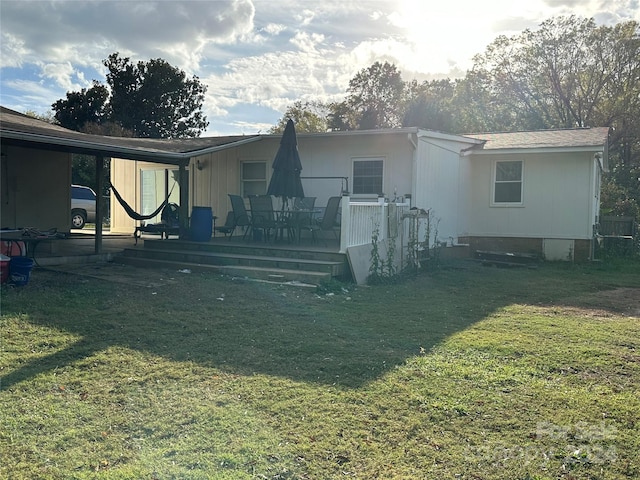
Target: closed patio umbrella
{"x": 285, "y": 181}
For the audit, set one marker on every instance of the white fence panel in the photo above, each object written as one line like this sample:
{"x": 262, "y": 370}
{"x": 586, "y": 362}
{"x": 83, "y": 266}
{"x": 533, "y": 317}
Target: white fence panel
{"x": 364, "y": 218}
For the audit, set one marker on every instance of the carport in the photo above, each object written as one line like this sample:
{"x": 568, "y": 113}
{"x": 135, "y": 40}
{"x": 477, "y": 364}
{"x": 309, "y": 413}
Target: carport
{"x": 18, "y": 130}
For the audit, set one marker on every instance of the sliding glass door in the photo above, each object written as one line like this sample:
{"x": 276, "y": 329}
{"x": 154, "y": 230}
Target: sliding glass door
{"x": 156, "y": 185}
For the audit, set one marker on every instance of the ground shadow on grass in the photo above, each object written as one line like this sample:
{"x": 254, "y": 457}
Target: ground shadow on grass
{"x": 248, "y": 328}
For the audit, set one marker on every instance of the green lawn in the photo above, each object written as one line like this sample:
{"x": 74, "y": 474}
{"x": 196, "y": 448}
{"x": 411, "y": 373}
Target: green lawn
{"x": 468, "y": 372}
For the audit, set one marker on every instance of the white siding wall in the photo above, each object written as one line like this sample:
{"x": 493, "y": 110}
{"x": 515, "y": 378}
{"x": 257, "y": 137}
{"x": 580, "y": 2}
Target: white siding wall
{"x": 125, "y": 177}
{"x": 441, "y": 185}
{"x": 320, "y": 157}
{"x": 557, "y": 197}
{"x": 219, "y": 176}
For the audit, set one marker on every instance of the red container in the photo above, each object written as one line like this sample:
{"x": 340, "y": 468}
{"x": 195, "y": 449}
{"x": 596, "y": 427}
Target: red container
{"x": 4, "y": 268}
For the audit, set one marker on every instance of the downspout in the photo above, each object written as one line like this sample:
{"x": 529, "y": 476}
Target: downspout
{"x": 412, "y": 141}
{"x": 414, "y": 167}
{"x": 597, "y": 182}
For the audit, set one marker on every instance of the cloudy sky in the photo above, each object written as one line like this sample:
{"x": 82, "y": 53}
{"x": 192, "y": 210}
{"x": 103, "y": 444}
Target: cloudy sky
{"x": 259, "y": 56}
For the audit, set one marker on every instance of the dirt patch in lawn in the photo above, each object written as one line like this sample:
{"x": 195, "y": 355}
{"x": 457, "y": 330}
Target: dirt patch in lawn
{"x": 626, "y": 300}
{"x": 603, "y": 303}
{"x": 606, "y": 303}
{"x": 114, "y": 272}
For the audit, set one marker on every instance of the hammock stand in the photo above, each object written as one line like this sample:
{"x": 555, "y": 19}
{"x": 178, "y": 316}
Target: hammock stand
{"x": 169, "y": 225}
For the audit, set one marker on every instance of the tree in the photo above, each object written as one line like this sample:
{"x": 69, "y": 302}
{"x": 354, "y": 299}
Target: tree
{"x": 616, "y": 200}
{"x": 309, "y": 117}
{"x": 45, "y": 117}
{"x": 341, "y": 117}
{"x": 561, "y": 75}
{"x": 147, "y": 99}
{"x": 569, "y": 73}
{"x": 88, "y": 106}
{"x": 155, "y": 99}
{"x": 429, "y": 105}
{"x": 375, "y": 99}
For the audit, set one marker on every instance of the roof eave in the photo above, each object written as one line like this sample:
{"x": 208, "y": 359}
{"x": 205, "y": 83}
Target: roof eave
{"x": 353, "y": 133}
{"x": 507, "y": 151}
{"x": 115, "y": 151}
{"x": 93, "y": 148}
{"x": 226, "y": 146}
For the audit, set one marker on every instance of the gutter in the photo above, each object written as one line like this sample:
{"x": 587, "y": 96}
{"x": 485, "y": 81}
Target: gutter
{"x": 218, "y": 148}
{"x": 118, "y": 151}
{"x": 504, "y": 151}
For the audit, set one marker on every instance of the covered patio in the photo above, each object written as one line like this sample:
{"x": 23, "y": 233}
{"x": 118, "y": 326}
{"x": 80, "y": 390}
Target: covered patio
{"x": 21, "y": 134}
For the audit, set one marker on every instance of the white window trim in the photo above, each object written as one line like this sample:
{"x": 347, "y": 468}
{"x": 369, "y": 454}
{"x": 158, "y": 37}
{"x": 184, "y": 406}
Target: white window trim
{"x": 492, "y": 201}
{"x": 266, "y": 174}
{"x": 368, "y": 158}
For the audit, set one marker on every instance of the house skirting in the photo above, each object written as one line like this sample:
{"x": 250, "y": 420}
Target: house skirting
{"x": 578, "y": 250}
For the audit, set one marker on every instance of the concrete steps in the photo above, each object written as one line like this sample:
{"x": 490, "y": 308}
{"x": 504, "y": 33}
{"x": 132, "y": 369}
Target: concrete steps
{"x": 256, "y": 261}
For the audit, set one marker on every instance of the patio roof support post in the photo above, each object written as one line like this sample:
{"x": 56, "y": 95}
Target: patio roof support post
{"x": 183, "y": 179}
{"x": 99, "y": 202}
{"x": 345, "y": 223}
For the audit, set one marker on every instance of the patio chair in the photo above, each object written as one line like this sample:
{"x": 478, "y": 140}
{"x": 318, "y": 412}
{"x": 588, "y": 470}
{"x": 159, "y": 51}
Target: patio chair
{"x": 304, "y": 203}
{"x": 263, "y": 217}
{"x": 329, "y": 222}
{"x": 240, "y": 214}
{"x": 229, "y": 225}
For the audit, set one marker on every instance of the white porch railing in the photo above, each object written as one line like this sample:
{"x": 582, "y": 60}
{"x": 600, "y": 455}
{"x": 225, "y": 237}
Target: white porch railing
{"x": 360, "y": 220}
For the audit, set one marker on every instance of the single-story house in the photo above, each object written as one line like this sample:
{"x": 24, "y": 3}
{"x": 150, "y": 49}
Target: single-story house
{"x": 534, "y": 192}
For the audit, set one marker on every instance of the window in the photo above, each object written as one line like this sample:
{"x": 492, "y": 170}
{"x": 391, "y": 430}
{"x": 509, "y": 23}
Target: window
{"x": 82, "y": 193}
{"x": 367, "y": 176}
{"x": 507, "y": 187}
{"x": 254, "y": 178}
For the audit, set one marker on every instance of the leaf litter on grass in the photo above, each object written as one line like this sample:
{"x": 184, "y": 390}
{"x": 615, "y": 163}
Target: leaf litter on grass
{"x": 462, "y": 384}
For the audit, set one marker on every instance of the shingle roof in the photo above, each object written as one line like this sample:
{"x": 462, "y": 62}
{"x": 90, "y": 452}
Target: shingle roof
{"x": 567, "y": 138}
{"x": 16, "y": 126}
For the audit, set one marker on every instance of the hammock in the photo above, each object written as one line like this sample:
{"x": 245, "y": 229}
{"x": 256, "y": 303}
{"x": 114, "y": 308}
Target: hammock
{"x": 132, "y": 213}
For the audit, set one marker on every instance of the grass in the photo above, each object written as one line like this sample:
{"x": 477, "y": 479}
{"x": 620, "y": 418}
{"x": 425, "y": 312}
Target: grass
{"x": 467, "y": 373}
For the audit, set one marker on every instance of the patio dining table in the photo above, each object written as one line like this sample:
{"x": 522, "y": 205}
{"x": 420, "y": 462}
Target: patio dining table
{"x": 296, "y": 220}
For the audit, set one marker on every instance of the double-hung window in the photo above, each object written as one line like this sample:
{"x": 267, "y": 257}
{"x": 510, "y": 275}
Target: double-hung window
{"x": 507, "y": 184}
{"x": 367, "y": 176}
{"x": 254, "y": 178}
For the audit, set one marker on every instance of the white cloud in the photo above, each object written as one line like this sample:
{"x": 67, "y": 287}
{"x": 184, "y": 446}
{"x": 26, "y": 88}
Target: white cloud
{"x": 62, "y": 74}
{"x": 274, "y": 28}
{"x": 307, "y": 42}
{"x": 305, "y": 17}
{"x": 12, "y": 50}
{"x": 22, "y": 95}
{"x": 250, "y": 128}
{"x": 258, "y": 57}
{"x": 70, "y": 30}
{"x": 34, "y": 88}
